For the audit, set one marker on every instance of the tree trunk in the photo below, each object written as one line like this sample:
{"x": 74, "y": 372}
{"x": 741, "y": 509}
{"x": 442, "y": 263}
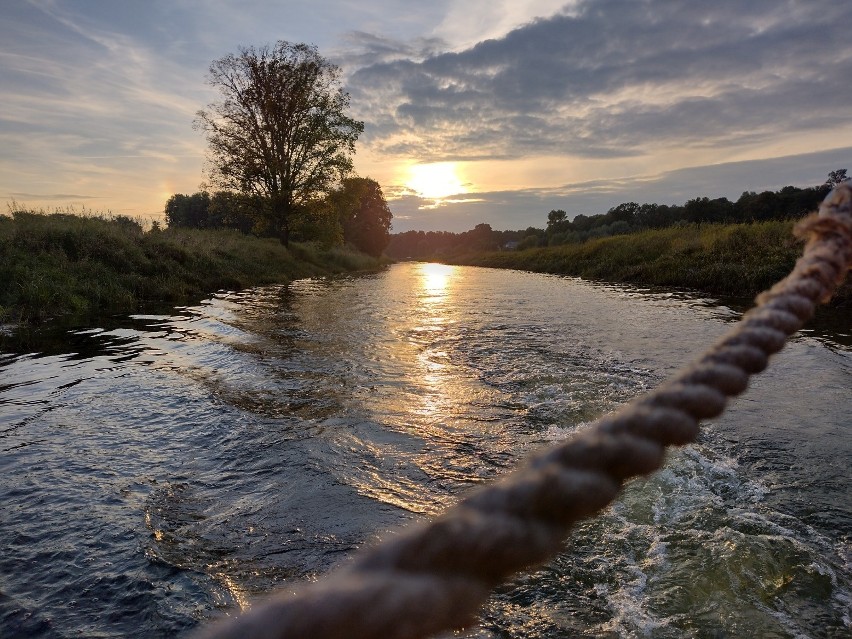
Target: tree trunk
{"x": 281, "y": 219}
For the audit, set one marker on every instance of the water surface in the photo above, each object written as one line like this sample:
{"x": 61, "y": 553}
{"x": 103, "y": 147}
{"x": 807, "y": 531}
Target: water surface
{"x": 162, "y": 470}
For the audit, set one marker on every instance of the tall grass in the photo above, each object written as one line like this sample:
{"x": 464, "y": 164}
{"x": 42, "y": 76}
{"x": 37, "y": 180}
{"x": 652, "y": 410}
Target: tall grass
{"x": 732, "y": 259}
{"x": 63, "y": 263}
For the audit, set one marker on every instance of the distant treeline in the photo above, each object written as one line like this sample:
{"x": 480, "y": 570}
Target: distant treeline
{"x": 356, "y": 214}
{"x": 789, "y": 203}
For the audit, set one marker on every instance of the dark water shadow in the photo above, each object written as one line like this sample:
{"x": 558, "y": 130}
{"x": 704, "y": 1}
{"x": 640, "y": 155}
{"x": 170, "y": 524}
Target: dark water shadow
{"x": 831, "y": 324}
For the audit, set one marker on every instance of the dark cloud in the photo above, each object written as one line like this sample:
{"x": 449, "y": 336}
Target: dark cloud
{"x": 363, "y": 49}
{"x": 610, "y": 79}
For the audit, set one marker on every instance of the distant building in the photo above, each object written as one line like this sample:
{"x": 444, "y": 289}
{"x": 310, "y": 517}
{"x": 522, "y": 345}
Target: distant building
{"x": 511, "y": 246}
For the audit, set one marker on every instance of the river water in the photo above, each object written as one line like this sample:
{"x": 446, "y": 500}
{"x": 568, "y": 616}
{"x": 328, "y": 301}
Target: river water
{"x": 162, "y": 470}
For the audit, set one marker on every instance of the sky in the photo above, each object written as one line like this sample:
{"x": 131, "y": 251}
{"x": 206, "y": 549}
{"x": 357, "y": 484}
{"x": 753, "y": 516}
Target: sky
{"x": 475, "y": 111}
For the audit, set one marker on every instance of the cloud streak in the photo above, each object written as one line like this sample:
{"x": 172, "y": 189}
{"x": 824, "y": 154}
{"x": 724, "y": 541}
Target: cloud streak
{"x": 52, "y": 196}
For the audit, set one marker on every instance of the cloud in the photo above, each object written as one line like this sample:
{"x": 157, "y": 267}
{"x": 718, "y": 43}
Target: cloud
{"x": 615, "y": 78}
{"x": 99, "y": 99}
{"x": 53, "y": 196}
{"x": 361, "y": 49}
{"x": 88, "y": 108}
{"x": 471, "y": 21}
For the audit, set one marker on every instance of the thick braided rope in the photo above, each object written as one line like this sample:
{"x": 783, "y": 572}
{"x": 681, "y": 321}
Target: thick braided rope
{"x": 434, "y": 576}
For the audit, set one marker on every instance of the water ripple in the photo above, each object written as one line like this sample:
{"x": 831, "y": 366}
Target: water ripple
{"x": 163, "y": 469}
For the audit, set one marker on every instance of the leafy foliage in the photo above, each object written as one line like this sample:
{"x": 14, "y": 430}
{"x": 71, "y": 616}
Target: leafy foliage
{"x": 222, "y": 210}
{"x": 356, "y": 213}
{"x": 363, "y": 214}
{"x": 280, "y": 130}
{"x": 836, "y": 177}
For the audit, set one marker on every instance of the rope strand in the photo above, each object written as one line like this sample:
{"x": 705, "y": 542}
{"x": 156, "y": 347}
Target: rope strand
{"x": 434, "y": 576}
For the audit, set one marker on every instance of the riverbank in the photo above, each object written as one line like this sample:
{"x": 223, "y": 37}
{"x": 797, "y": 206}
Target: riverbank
{"x": 730, "y": 260}
{"x": 63, "y": 264}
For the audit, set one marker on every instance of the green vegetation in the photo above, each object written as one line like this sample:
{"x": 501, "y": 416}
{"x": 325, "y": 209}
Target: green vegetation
{"x": 723, "y": 259}
{"x": 54, "y": 264}
{"x": 280, "y": 147}
{"x": 355, "y": 214}
{"x": 360, "y": 209}
{"x": 280, "y": 130}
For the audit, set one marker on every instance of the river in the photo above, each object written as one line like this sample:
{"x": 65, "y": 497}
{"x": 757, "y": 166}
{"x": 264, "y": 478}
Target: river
{"x": 161, "y": 470}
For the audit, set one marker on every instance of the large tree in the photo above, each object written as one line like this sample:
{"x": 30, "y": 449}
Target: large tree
{"x": 363, "y": 213}
{"x": 280, "y": 129}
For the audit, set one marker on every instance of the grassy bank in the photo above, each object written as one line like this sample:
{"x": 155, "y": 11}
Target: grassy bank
{"x": 67, "y": 264}
{"x": 735, "y": 259}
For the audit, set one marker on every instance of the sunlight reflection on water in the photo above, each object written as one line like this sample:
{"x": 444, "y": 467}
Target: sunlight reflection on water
{"x": 436, "y": 279}
{"x": 162, "y": 467}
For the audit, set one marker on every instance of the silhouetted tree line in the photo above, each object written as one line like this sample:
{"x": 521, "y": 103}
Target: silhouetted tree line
{"x": 424, "y": 245}
{"x": 629, "y": 217}
{"x": 356, "y": 213}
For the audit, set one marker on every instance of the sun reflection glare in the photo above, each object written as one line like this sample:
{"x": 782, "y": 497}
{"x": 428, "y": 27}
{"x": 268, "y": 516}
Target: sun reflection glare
{"x": 435, "y": 318}
{"x": 237, "y": 592}
{"x": 435, "y": 278}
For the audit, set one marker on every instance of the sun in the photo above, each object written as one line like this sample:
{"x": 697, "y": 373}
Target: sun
{"x": 435, "y": 181}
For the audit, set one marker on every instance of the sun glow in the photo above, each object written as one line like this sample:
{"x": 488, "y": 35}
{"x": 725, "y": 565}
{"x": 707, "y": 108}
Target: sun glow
{"x": 435, "y": 181}
{"x": 435, "y": 278}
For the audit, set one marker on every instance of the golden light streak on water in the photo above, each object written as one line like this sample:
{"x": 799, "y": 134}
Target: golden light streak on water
{"x": 239, "y": 595}
{"x": 436, "y": 279}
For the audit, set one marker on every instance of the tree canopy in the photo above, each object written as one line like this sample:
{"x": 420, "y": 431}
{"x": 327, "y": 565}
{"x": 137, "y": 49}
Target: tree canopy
{"x": 836, "y": 177}
{"x": 364, "y": 214}
{"x": 280, "y": 130}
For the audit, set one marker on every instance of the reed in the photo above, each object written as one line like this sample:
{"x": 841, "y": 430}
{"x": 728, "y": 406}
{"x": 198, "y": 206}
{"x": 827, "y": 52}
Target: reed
{"x": 724, "y": 259}
{"x": 58, "y": 264}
